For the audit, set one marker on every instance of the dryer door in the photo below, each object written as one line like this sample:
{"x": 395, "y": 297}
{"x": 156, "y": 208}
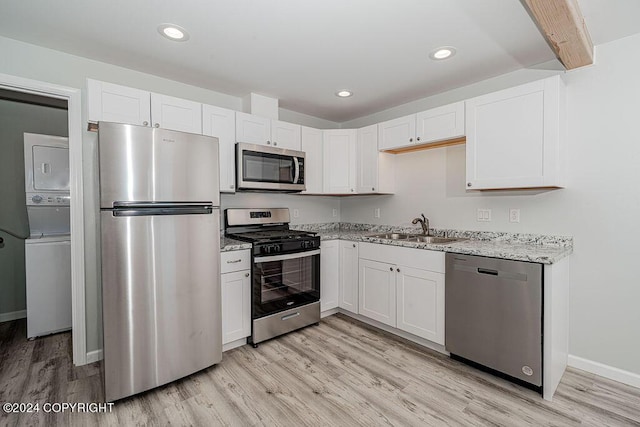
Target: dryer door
{"x": 50, "y": 168}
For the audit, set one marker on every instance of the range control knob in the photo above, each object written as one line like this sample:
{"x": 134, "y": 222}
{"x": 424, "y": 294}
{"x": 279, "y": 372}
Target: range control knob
{"x": 36, "y": 199}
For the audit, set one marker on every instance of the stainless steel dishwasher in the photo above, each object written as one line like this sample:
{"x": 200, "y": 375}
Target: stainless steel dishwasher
{"x": 493, "y": 315}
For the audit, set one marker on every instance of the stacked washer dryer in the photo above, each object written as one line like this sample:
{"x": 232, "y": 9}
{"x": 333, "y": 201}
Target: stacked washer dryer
{"x": 48, "y": 249}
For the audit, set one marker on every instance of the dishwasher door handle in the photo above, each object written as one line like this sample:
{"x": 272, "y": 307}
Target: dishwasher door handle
{"x": 487, "y": 271}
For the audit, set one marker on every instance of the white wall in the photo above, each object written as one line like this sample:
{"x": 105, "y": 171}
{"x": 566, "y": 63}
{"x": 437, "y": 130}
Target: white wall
{"x": 600, "y": 206}
{"x": 34, "y": 62}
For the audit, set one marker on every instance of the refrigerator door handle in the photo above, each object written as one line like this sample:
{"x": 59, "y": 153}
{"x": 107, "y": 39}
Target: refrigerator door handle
{"x": 193, "y": 210}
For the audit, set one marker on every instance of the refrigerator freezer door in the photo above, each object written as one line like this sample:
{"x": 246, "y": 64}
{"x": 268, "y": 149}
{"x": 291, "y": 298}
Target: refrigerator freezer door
{"x": 141, "y": 164}
{"x": 161, "y": 299}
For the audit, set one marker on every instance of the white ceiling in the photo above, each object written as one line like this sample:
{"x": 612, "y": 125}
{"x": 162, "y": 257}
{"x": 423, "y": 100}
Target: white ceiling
{"x": 303, "y": 51}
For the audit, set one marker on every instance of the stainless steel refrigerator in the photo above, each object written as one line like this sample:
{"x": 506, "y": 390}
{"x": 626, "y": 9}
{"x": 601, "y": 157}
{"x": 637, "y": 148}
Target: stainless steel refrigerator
{"x": 160, "y": 240}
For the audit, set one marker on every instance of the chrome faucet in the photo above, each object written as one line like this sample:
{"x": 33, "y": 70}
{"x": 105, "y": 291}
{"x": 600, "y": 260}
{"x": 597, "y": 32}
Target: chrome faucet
{"x": 424, "y": 222}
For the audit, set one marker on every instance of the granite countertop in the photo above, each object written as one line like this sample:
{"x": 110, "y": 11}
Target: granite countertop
{"x": 227, "y": 244}
{"x": 519, "y": 247}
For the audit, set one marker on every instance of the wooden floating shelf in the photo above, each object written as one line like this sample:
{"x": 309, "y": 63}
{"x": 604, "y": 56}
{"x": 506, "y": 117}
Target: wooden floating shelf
{"x": 429, "y": 146}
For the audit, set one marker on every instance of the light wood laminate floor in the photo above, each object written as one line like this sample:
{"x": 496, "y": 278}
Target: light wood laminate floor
{"x": 341, "y": 373}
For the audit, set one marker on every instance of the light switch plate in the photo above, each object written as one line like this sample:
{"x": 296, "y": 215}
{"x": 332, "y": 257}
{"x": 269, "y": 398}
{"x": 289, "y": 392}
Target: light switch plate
{"x": 376, "y": 213}
{"x": 483, "y": 215}
{"x": 296, "y": 213}
{"x": 334, "y": 213}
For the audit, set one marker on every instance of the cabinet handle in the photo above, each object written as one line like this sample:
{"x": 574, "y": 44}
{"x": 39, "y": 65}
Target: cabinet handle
{"x": 398, "y": 270}
{"x": 247, "y": 274}
{"x": 390, "y": 268}
{"x": 354, "y": 245}
{"x": 418, "y": 139}
{"x": 231, "y": 186}
{"x": 410, "y": 139}
{"x": 235, "y": 261}
{"x": 468, "y": 184}
{"x": 352, "y": 190}
{"x": 275, "y": 143}
{"x": 157, "y": 125}
{"x": 146, "y": 123}
{"x": 373, "y": 189}
{"x": 268, "y": 142}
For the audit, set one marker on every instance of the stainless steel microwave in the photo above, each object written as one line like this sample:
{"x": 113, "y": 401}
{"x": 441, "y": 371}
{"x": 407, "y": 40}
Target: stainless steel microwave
{"x": 263, "y": 168}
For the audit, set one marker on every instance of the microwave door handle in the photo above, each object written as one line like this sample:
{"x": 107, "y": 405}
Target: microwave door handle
{"x": 297, "y": 169}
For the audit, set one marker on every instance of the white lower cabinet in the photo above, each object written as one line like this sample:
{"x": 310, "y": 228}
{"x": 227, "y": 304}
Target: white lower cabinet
{"x": 377, "y": 299}
{"x": 420, "y": 303}
{"x": 329, "y": 274}
{"x": 403, "y": 288}
{"x": 236, "y": 295}
{"x": 348, "y": 284}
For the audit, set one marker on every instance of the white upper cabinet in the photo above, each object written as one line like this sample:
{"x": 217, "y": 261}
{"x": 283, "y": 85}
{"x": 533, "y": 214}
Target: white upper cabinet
{"x": 375, "y": 170}
{"x": 114, "y": 103}
{"x": 221, "y": 123}
{"x": 312, "y": 146}
{"x": 253, "y": 129}
{"x": 435, "y": 125}
{"x": 439, "y": 124}
{"x": 515, "y": 137}
{"x": 339, "y": 146}
{"x": 120, "y": 104}
{"x": 285, "y": 135}
{"x": 168, "y": 112}
{"x": 397, "y": 133}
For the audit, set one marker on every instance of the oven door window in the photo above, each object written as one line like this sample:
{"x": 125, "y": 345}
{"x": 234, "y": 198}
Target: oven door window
{"x": 267, "y": 167}
{"x": 283, "y": 284}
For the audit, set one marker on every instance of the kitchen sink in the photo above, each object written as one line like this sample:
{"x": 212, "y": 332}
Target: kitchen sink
{"x": 418, "y": 238}
{"x": 392, "y": 236}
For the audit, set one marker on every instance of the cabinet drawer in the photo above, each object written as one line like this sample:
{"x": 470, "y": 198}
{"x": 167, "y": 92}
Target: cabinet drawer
{"x": 417, "y": 258}
{"x": 235, "y": 261}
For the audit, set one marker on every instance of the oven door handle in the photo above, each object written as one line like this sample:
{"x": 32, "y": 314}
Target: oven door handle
{"x": 297, "y": 168}
{"x": 260, "y": 259}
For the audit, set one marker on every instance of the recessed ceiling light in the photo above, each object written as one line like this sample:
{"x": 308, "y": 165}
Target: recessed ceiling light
{"x": 443, "y": 52}
{"x": 344, "y": 93}
{"x": 173, "y": 32}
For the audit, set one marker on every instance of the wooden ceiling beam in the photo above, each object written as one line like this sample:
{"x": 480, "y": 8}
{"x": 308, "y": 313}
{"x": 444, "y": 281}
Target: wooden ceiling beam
{"x": 562, "y": 24}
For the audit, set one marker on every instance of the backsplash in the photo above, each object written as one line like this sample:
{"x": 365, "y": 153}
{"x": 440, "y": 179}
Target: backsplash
{"x": 520, "y": 238}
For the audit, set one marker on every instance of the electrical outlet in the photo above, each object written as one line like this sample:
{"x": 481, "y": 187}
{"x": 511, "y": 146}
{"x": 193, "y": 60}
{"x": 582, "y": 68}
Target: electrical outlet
{"x": 376, "y": 213}
{"x": 483, "y": 215}
{"x": 514, "y": 215}
{"x": 296, "y": 213}
{"x": 334, "y": 213}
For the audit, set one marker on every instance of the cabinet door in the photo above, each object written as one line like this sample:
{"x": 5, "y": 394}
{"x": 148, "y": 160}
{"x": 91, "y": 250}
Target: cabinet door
{"x": 513, "y": 137}
{"x": 285, "y": 135}
{"x": 377, "y": 299}
{"x": 120, "y": 104}
{"x": 236, "y": 305}
{"x": 312, "y": 146}
{"x": 367, "y": 159}
{"x": 348, "y": 289}
{"x": 178, "y": 114}
{"x": 339, "y": 160}
{"x": 420, "y": 303}
{"x": 397, "y": 133}
{"x": 439, "y": 124}
{"x": 221, "y": 123}
{"x": 252, "y": 129}
{"x": 329, "y": 274}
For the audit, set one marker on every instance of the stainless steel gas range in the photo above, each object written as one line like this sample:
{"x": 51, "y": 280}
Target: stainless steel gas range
{"x": 285, "y": 293}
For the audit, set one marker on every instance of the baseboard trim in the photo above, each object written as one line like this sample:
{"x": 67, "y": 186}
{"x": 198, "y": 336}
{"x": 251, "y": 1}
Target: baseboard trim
{"x": 13, "y": 315}
{"x": 605, "y": 371}
{"x": 94, "y": 356}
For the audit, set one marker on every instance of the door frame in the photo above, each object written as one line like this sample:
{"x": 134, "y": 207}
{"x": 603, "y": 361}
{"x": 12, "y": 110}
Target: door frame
{"x": 74, "y": 114}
